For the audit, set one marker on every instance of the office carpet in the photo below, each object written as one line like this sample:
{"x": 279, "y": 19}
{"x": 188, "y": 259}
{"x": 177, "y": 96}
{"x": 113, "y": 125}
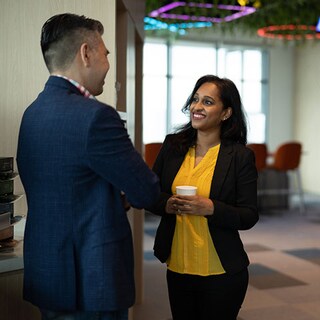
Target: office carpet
{"x": 284, "y": 250}
{"x": 309, "y": 254}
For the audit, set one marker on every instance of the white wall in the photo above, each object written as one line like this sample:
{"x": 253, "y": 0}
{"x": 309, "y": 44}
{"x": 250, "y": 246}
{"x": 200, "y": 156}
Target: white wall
{"x": 281, "y": 80}
{"x": 307, "y": 113}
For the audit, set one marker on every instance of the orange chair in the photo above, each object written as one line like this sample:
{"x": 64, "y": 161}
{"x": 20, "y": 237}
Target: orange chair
{"x": 151, "y": 151}
{"x": 287, "y": 159}
{"x": 261, "y": 153}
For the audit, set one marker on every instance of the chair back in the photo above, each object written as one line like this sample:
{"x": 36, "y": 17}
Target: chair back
{"x": 261, "y": 153}
{"x": 287, "y": 156}
{"x": 151, "y": 151}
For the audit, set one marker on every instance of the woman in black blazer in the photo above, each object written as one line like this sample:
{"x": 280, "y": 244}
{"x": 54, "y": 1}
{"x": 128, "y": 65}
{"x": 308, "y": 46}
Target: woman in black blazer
{"x": 198, "y": 236}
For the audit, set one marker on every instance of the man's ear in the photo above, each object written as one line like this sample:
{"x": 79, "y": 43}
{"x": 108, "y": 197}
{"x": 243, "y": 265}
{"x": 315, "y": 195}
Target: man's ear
{"x": 85, "y": 54}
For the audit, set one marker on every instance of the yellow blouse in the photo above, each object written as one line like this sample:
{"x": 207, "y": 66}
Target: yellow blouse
{"x": 192, "y": 250}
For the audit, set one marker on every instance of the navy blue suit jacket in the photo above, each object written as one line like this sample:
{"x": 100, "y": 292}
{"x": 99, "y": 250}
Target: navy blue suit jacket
{"x": 74, "y": 158}
{"x": 233, "y": 191}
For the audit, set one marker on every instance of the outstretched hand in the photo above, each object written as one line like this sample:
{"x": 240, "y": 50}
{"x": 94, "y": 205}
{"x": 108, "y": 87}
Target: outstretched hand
{"x": 193, "y": 205}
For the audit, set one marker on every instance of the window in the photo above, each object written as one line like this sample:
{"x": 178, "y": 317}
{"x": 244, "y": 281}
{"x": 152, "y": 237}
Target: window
{"x": 245, "y": 67}
{"x": 155, "y": 92}
{"x": 186, "y": 68}
{"x": 171, "y": 70}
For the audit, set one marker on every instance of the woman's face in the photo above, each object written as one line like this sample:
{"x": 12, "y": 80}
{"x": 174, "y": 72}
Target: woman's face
{"x": 206, "y": 110}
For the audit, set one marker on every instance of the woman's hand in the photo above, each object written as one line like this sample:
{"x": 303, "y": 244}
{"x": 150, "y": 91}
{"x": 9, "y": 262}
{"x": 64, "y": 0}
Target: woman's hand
{"x": 193, "y": 205}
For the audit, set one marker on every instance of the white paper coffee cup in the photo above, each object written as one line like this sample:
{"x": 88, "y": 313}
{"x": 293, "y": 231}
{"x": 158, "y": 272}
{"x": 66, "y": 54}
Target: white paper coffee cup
{"x": 186, "y": 190}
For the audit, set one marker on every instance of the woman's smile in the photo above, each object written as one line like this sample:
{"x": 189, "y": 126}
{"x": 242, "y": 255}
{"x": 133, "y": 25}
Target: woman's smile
{"x": 198, "y": 116}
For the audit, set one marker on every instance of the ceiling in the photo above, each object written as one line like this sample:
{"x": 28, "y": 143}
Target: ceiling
{"x": 293, "y": 19}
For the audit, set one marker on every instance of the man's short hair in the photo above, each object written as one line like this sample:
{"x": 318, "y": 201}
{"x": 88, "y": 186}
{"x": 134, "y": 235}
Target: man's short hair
{"x": 63, "y": 34}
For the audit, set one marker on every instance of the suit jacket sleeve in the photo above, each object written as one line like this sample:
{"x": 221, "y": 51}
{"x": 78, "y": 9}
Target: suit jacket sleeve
{"x": 166, "y": 167}
{"x": 112, "y": 155}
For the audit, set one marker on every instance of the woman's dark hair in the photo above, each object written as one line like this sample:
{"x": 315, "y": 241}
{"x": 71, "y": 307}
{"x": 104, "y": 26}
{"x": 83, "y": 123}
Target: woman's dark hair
{"x": 233, "y": 129}
{"x": 62, "y": 36}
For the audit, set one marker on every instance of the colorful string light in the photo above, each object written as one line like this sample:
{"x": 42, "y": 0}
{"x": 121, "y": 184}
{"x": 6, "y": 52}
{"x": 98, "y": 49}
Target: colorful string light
{"x": 162, "y": 12}
{"x": 289, "y": 32}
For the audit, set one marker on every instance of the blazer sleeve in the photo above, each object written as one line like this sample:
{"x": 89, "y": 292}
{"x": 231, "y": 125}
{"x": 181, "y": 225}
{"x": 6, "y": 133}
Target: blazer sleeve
{"x": 235, "y": 204}
{"x": 113, "y": 156}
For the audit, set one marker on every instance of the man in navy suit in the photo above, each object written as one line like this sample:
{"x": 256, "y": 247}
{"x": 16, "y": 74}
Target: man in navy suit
{"x": 76, "y": 162}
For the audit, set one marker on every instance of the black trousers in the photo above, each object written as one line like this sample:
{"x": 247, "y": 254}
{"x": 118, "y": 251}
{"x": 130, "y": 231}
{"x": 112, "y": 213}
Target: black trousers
{"x": 217, "y": 297}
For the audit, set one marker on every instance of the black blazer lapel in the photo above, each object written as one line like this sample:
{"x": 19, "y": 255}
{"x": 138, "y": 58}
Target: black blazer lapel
{"x": 173, "y": 168}
{"x": 221, "y": 170}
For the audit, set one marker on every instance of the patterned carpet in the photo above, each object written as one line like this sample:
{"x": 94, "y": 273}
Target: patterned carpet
{"x": 284, "y": 250}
